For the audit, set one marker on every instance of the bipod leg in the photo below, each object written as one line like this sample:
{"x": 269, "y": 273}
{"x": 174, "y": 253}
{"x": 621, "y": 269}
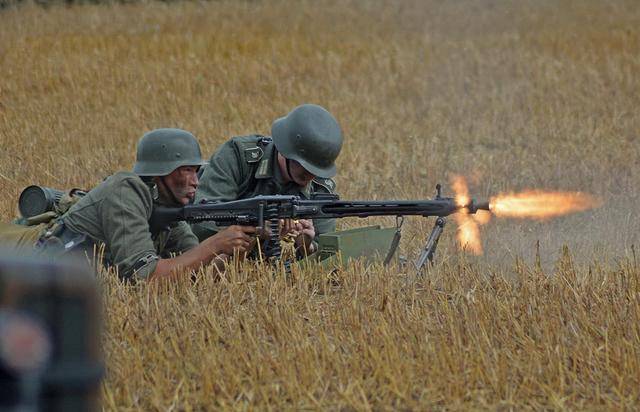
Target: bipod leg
{"x": 396, "y": 240}
{"x": 429, "y": 250}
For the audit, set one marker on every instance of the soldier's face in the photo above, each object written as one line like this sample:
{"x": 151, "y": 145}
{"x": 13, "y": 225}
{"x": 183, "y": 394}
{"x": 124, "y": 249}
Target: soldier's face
{"x": 299, "y": 174}
{"x": 296, "y": 173}
{"x": 183, "y": 182}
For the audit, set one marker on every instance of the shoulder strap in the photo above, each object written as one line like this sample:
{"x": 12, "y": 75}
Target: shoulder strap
{"x": 252, "y": 149}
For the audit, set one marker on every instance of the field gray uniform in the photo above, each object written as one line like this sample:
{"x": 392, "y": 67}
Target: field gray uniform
{"x": 245, "y": 167}
{"x": 116, "y": 213}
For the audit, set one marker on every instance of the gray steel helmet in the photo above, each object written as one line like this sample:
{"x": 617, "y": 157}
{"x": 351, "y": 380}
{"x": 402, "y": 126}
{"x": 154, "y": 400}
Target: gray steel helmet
{"x": 161, "y": 151}
{"x": 311, "y": 136}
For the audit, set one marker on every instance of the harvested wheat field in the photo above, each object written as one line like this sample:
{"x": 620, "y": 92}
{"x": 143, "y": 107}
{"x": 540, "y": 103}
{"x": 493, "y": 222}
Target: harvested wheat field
{"x": 513, "y": 95}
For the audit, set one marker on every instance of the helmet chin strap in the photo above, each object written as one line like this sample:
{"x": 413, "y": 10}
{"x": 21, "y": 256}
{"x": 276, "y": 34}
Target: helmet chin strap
{"x": 168, "y": 190}
{"x": 287, "y": 163}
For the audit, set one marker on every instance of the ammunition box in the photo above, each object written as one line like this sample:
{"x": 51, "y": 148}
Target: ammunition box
{"x": 370, "y": 243}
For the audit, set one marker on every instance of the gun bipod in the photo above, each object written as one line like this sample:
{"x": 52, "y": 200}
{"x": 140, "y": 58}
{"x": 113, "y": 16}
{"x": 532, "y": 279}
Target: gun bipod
{"x": 429, "y": 250}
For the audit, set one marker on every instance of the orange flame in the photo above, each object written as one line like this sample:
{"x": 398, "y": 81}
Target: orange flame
{"x": 468, "y": 233}
{"x": 541, "y": 205}
{"x": 533, "y": 204}
{"x": 461, "y": 190}
{"x": 482, "y": 217}
{"x": 468, "y": 225}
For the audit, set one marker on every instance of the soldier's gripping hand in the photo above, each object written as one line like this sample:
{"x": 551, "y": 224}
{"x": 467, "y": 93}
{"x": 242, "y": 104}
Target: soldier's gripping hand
{"x": 305, "y": 235}
{"x": 295, "y": 228}
{"x": 240, "y": 238}
{"x": 302, "y": 231}
{"x": 287, "y": 227}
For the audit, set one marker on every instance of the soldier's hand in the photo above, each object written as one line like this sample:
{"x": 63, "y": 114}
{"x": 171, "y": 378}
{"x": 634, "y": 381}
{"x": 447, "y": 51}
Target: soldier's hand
{"x": 235, "y": 238}
{"x": 306, "y": 234}
{"x": 263, "y": 234}
{"x": 287, "y": 227}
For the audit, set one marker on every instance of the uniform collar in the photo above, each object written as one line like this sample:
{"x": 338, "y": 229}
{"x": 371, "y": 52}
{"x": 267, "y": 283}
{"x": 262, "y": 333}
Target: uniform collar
{"x": 266, "y": 166}
{"x": 306, "y": 191}
{"x": 155, "y": 195}
{"x": 153, "y": 189}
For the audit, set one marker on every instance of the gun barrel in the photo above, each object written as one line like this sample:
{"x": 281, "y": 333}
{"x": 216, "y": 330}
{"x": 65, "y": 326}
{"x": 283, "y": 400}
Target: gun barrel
{"x": 483, "y": 205}
{"x": 474, "y": 206}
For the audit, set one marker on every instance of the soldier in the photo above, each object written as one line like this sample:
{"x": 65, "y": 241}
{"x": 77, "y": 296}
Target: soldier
{"x": 116, "y": 214}
{"x": 298, "y": 159}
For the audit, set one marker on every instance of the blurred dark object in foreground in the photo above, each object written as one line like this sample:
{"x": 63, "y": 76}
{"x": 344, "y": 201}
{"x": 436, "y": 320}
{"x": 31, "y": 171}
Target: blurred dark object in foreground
{"x": 50, "y": 322}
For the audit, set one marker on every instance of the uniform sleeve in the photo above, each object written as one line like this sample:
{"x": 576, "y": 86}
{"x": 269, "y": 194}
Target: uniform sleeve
{"x": 124, "y": 218}
{"x": 220, "y": 180}
{"x": 181, "y": 239}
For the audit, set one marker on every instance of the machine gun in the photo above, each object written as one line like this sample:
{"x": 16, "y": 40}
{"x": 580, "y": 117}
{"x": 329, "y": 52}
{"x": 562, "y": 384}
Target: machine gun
{"x": 264, "y": 212}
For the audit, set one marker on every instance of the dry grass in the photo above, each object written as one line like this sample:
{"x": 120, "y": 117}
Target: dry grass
{"x": 366, "y": 339}
{"x": 513, "y": 94}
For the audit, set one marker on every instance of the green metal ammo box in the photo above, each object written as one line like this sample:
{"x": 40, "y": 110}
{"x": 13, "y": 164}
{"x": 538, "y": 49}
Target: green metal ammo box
{"x": 370, "y": 242}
